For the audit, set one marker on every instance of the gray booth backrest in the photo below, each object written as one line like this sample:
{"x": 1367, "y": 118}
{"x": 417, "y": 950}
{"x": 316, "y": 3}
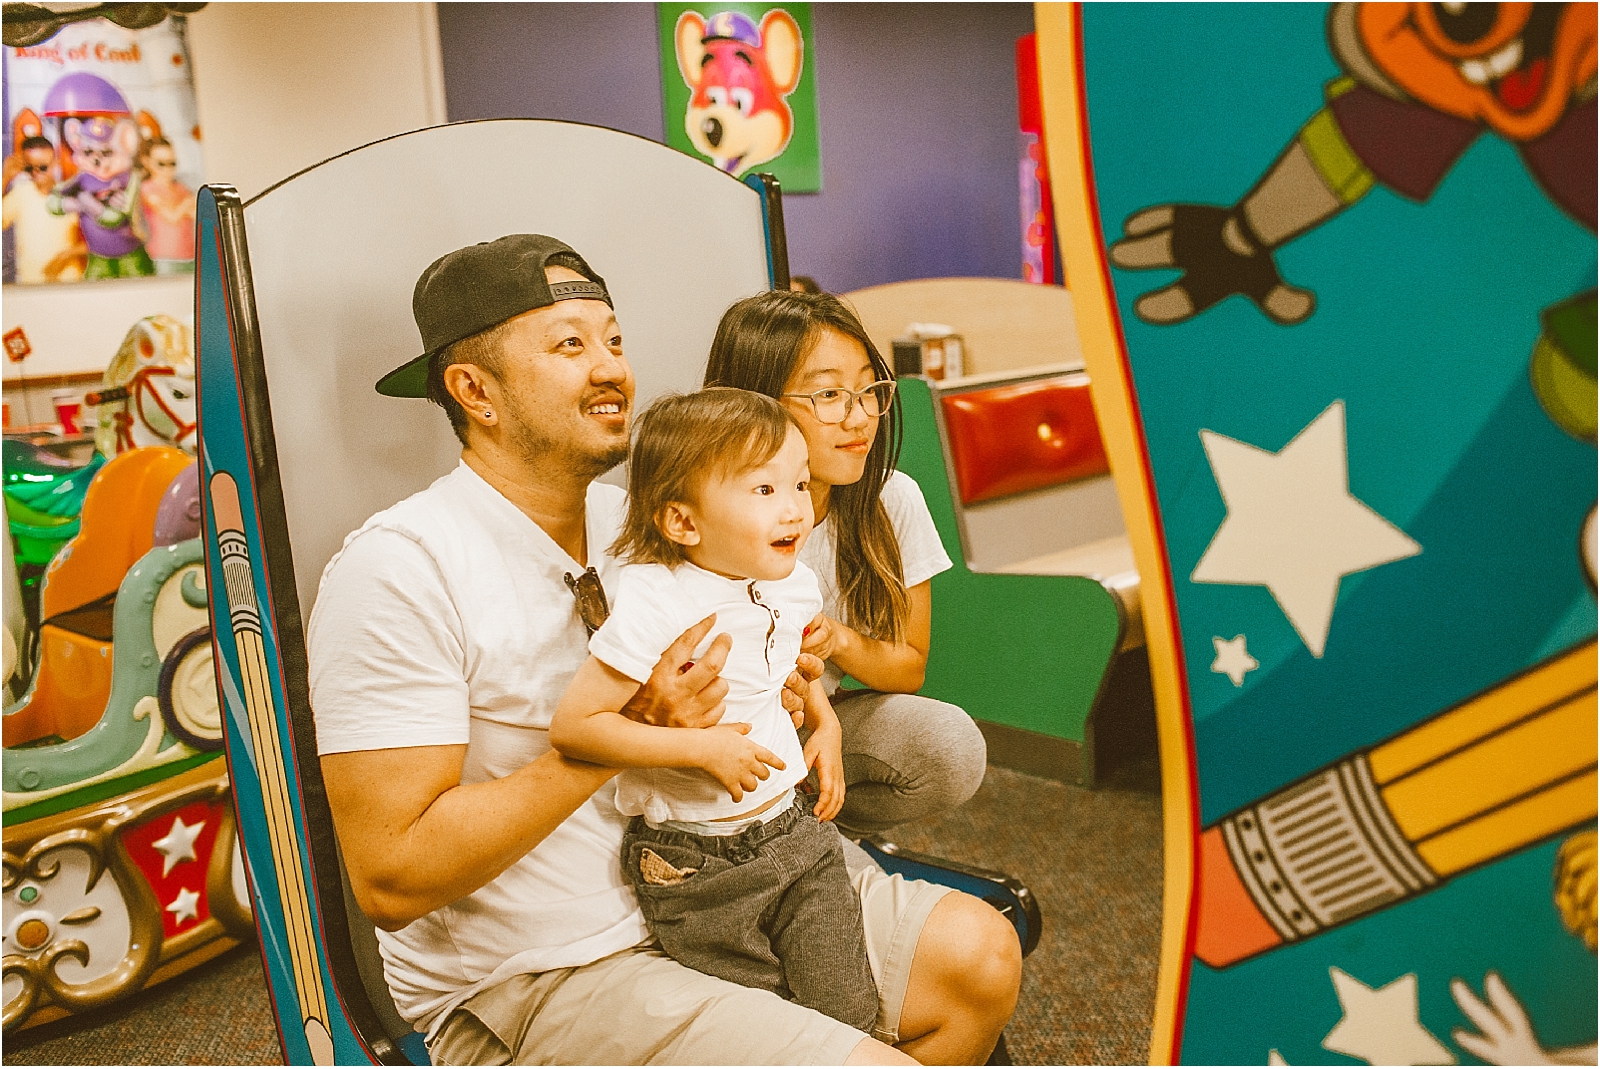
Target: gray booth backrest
{"x": 336, "y": 250}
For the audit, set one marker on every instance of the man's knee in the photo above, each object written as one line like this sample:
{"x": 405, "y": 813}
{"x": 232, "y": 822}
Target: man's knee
{"x": 978, "y": 954}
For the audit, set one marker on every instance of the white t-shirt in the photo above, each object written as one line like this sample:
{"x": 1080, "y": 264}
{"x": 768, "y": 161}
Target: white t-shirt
{"x": 922, "y": 555}
{"x": 444, "y": 621}
{"x": 655, "y": 604}
{"x": 40, "y": 236}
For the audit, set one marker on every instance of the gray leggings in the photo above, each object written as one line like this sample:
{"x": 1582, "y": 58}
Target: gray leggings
{"x": 906, "y": 757}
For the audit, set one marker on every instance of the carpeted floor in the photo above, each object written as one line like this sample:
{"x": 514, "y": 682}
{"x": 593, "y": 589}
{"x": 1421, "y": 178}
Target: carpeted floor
{"x": 217, "y": 1014}
{"x": 1092, "y": 858}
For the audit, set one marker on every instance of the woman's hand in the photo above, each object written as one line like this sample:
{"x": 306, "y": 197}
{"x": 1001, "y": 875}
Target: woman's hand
{"x": 823, "y": 636}
{"x": 681, "y": 693}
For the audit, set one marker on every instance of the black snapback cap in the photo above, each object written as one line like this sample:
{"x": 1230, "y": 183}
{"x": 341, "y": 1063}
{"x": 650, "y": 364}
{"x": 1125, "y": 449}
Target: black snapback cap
{"x": 466, "y": 292}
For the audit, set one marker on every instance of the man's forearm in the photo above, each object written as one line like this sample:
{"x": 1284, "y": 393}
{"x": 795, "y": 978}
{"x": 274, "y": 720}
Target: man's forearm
{"x": 467, "y": 835}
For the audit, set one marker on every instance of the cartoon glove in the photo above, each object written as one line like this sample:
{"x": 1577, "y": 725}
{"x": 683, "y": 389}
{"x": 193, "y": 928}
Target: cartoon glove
{"x": 1218, "y": 256}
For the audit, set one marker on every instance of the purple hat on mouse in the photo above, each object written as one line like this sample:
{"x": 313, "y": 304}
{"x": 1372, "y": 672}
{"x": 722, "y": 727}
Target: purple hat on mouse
{"x": 466, "y": 292}
{"x": 732, "y": 26}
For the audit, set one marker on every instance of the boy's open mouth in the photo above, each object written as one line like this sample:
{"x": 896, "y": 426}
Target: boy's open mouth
{"x": 786, "y": 543}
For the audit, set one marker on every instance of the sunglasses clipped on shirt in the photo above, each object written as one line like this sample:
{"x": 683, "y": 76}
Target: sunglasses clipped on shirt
{"x": 591, "y": 598}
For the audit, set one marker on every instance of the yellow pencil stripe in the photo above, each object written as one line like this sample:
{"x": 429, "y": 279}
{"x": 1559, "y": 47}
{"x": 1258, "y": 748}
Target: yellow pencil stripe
{"x": 1523, "y": 822}
{"x": 281, "y": 829}
{"x": 1484, "y": 714}
{"x": 270, "y": 768}
{"x": 1493, "y": 771}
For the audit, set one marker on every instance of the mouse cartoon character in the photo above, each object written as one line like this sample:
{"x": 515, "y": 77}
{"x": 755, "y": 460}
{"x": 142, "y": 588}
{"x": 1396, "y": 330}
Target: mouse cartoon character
{"x": 1421, "y": 83}
{"x": 105, "y": 194}
{"x": 739, "y": 74}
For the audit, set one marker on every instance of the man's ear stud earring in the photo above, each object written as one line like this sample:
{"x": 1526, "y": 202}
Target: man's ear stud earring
{"x": 488, "y": 414}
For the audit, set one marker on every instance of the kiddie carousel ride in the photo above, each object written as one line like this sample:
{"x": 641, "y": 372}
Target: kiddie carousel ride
{"x": 121, "y": 867}
{"x": 304, "y": 298}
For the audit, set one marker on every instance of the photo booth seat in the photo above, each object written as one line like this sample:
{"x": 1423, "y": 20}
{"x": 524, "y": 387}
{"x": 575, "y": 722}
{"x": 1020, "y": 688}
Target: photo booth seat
{"x": 303, "y": 303}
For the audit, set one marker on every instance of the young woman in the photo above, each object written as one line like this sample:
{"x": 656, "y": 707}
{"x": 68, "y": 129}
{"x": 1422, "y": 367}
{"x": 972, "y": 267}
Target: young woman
{"x": 874, "y": 550}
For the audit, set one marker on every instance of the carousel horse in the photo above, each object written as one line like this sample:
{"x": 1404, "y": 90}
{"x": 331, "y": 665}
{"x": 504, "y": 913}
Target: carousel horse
{"x": 148, "y": 395}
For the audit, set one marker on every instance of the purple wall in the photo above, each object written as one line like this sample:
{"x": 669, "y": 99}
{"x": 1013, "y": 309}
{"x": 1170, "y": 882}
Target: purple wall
{"x": 917, "y": 117}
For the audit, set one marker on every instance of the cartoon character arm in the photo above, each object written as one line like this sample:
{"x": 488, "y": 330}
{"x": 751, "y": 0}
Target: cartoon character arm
{"x": 63, "y": 198}
{"x": 1505, "y": 1035}
{"x": 119, "y": 206}
{"x": 1223, "y": 251}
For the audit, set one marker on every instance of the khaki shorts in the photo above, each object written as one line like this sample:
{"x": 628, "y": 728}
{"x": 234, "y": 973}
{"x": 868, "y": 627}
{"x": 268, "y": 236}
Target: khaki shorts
{"x": 639, "y": 1007}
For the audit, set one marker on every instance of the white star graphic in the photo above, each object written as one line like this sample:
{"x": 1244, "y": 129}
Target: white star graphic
{"x": 178, "y": 844}
{"x": 1292, "y": 524}
{"x": 1380, "y": 1026}
{"x": 1274, "y": 1058}
{"x": 186, "y": 907}
{"x": 1233, "y": 660}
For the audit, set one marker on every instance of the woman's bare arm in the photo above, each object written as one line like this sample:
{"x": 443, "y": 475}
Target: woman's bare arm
{"x": 895, "y": 667}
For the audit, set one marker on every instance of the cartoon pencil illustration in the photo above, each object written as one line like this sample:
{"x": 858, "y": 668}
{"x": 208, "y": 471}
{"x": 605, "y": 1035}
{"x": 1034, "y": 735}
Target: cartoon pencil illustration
{"x": 245, "y": 619}
{"x": 1509, "y": 766}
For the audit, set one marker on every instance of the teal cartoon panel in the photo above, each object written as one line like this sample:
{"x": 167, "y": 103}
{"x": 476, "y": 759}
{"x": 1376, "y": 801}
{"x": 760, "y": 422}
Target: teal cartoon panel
{"x": 1350, "y": 257}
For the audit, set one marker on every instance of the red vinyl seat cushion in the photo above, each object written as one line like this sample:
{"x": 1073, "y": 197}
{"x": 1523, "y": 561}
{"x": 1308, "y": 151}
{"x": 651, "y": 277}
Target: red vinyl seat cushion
{"x": 1027, "y": 436}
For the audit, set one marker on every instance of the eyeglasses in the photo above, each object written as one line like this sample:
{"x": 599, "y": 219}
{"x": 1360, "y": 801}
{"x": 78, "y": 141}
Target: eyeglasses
{"x": 591, "y": 598}
{"x": 833, "y": 404}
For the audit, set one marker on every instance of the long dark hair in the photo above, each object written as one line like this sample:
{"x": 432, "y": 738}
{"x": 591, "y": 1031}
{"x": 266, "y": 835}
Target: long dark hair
{"x": 760, "y": 342}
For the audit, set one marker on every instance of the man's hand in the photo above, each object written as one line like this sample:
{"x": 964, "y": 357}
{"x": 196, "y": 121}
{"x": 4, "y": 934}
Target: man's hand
{"x": 736, "y": 762}
{"x": 807, "y": 670}
{"x": 681, "y": 693}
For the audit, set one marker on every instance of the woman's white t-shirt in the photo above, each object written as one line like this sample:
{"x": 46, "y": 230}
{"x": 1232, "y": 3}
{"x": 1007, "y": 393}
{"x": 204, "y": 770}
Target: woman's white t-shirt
{"x": 922, "y": 555}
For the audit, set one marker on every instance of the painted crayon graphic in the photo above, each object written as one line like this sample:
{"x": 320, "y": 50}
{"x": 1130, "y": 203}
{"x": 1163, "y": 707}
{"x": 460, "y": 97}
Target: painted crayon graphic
{"x": 1510, "y": 766}
{"x": 245, "y": 618}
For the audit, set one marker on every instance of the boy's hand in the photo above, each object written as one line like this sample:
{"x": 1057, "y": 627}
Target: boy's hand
{"x": 797, "y": 688}
{"x": 736, "y": 762}
{"x": 822, "y": 753}
{"x": 681, "y": 693}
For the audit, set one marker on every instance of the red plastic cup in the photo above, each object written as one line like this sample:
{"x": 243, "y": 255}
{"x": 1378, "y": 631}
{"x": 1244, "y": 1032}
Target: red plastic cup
{"x": 69, "y": 406}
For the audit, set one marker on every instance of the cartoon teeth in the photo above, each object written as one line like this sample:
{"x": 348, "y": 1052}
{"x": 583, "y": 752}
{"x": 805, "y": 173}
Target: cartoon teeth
{"x": 1497, "y": 64}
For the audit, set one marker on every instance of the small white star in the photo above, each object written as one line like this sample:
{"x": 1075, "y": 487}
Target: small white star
{"x": 178, "y": 844}
{"x": 1380, "y": 1025}
{"x": 1233, "y": 660}
{"x": 1274, "y": 1058}
{"x": 186, "y": 907}
{"x": 1292, "y": 524}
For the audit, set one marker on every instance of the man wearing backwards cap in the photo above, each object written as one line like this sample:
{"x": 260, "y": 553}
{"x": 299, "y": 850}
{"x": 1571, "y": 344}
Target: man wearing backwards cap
{"x": 445, "y": 632}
